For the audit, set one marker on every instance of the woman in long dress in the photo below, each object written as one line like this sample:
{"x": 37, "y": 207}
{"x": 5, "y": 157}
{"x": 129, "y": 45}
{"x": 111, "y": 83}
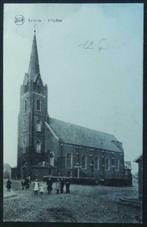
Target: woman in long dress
{"x": 36, "y": 187}
{"x": 57, "y": 186}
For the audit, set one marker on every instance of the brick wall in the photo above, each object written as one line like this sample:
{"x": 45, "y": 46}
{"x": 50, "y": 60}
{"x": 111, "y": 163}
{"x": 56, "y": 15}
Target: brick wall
{"x": 92, "y": 170}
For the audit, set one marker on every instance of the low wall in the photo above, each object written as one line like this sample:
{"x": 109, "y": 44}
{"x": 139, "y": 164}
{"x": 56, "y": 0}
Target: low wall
{"x": 94, "y": 181}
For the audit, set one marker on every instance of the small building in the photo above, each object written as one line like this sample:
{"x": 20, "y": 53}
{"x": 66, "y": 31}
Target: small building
{"x": 128, "y": 168}
{"x": 7, "y": 171}
{"x": 140, "y": 175}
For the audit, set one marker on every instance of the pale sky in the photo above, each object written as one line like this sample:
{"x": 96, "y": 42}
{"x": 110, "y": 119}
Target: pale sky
{"x": 97, "y": 88}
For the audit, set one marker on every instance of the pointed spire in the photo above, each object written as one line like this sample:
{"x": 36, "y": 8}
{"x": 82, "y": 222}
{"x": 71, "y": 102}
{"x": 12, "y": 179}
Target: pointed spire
{"x": 34, "y": 61}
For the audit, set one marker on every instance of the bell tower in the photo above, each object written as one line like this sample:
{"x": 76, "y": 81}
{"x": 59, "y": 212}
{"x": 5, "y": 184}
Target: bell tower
{"x": 32, "y": 116}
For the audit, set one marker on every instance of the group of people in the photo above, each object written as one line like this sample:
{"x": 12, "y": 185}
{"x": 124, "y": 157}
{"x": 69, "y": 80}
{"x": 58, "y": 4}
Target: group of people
{"x": 59, "y": 186}
{"x": 25, "y": 183}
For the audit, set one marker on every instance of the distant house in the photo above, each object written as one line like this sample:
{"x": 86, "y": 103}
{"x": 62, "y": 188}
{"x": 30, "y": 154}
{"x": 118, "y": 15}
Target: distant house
{"x": 127, "y": 172}
{"x": 7, "y": 171}
{"x": 128, "y": 167}
{"x": 140, "y": 175}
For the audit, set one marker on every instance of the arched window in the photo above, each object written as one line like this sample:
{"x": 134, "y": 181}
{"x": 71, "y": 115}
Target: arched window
{"x": 25, "y": 105}
{"x": 92, "y": 165}
{"x": 107, "y": 163}
{"x": 24, "y": 123}
{"x": 38, "y": 146}
{"x": 118, "y": 165}
{"x": 52, "y": 158}
{"x": 68, "y": 161}
{"x": 96, "y": 163}
{"x": 92, "y": 162}
{"x": 38, "y": 105}
{"x": 38, "y": 126}
{"x": 77, "y": 159}
{"x": 84, "y": 162}
{"x": 113, "y": 162}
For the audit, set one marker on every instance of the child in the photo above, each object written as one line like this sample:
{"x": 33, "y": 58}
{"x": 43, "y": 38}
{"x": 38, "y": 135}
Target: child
{"x": 57, "y": 186}
{"x": 36, "y": 187}
{"x": 41, "y": 189}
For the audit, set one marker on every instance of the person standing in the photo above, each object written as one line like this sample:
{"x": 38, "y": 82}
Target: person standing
{"x": 29, "y": 178}
{"x": 41, "y": 189}
{"x": 27, "y": 183}
{"x": 49, "y": 185}
{"x": 23, "y": 184}
{"x": 67, "y": 186}
{"x": 36, "y": 187}
{"x": 61, "y": 185}
{"x": 57, "y": 186}
{"x": 8, "y": 185}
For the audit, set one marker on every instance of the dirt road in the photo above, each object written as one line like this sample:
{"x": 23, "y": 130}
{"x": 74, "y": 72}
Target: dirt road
{"x": 92, "y": 204}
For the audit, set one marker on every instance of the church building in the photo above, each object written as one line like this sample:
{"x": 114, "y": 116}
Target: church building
{"x": 51, "y": 147}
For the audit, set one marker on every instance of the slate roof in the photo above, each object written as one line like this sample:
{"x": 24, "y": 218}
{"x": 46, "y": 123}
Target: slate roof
{"x": 78, "y": 135}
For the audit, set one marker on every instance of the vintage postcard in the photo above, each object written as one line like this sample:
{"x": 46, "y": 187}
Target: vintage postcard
{"x": 73, "y": 107}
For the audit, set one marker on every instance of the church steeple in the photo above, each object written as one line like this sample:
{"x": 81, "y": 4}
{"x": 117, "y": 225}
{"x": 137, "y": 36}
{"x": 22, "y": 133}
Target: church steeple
{"x": 34, "y": 61}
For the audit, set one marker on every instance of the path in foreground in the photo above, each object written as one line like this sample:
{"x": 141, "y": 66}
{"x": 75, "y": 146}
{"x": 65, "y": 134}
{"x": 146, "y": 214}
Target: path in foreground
{"x": 92, "y": 204}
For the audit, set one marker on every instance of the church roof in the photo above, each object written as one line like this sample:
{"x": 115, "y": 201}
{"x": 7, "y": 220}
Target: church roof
{"x": 78, "y": 135}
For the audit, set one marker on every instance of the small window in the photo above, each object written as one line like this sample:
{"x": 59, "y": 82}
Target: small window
{"x": 38, "y": 147}
{"x": 68, "y": 161}
{"x": 51, "y": 158}
{"x": 92, "y": 165}
{"x": 38, "y": 105}
{"x": 38, "y": 126}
